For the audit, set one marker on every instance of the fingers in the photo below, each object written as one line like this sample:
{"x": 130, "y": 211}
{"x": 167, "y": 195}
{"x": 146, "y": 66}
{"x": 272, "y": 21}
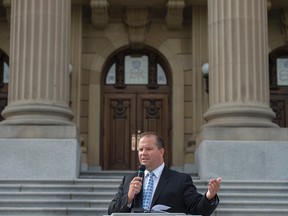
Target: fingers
{"x": 213, "y": 187}
{"x": 135, "y": 187}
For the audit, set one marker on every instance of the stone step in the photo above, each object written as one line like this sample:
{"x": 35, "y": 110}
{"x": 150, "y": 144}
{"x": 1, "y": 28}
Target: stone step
{"x": 52, "y": 211}
{"x": 108, "y": 181}
{"x": 236, "y": 197}
{"x": 258, "y": 204}
{"x": 98, "y": 186}
{"x": 113, "y": 174}
{"x": 104, "y": 203}
{"x": 254, "y": 183}
{"x": 61, "y": 182}
{"x": 54, "y": 203}
{"x": 104, "y": 174}
{"x": 250, "y": 212}
{"x": 56, "y": 195}
{"x": 58, "y": 188}
{"x": 92, "y": 195}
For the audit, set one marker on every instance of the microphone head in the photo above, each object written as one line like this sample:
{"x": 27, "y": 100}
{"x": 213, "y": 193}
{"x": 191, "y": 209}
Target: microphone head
{"x": 141, "y": 170}
{"x": 142, "y": 167}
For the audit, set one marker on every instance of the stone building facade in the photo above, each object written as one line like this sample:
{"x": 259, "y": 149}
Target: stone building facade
{"x": 81, "y": 79}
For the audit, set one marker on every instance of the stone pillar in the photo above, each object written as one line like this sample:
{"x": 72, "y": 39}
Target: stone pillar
{"x": 39, "y": 63}
{"x": 240, "y": 142}
{"x": 38, "y": 140}
{"x": 238, "y": 64}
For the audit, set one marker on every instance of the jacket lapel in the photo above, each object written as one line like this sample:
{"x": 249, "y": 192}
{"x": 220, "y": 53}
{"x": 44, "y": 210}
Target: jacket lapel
{"x": 161, "y": 184}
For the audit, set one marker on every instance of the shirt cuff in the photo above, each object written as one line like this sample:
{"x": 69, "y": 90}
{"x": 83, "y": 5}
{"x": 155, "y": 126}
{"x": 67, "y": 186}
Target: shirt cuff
{"x": 213, "y": 201}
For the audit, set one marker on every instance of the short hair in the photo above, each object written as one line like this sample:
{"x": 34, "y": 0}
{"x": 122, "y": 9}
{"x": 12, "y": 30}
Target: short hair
{"x": 159, "y": 139}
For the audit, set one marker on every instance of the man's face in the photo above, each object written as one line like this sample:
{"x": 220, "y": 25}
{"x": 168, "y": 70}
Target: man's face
{"x": 149, "y": 154}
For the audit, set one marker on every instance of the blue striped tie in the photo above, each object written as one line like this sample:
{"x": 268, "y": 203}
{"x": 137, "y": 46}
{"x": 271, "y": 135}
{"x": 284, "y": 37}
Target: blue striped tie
{"x": 147, "y": 192}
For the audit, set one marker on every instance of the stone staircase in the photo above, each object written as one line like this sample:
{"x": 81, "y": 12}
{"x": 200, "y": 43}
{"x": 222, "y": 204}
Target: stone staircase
{"x": 91, "y": 193}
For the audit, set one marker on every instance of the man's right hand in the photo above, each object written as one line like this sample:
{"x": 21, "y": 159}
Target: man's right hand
{"x": 134, "y": 188}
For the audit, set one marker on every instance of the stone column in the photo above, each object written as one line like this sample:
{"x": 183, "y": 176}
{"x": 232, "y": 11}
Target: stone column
{"x": 39, "y": 63}
{"x": 238, "y": 64}
{"x": 240, "y": 142}
{"x": 37, "y": 138}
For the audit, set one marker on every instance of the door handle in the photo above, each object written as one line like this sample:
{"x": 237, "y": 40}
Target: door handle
{"x": 138, "y": 139}
{"x": 133, "y": 142}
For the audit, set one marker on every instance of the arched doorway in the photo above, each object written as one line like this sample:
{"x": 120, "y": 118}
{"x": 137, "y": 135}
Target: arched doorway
{"x": 136, "y": 97}
{"x": 4, "y": 80}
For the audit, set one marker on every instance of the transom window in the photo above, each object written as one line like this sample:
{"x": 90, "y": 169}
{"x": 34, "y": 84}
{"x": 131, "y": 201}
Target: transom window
{"x": 134, "y": 68}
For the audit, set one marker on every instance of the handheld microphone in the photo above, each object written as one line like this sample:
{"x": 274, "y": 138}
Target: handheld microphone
{"x": 138, "y": 198}
{"x": 141, "y": 170}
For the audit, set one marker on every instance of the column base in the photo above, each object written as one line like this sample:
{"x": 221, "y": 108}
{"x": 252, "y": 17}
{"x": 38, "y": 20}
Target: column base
{"x": 41, "y": 159}
{"x": 39, "y": 152}
{"x": 37, "y": 114}
{"x": 240, "y": 115}
{"x": 242, "y": 154}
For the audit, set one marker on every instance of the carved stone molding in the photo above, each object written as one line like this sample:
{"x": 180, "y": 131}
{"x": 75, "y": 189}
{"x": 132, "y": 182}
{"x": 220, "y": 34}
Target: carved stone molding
{"x": 99, "y": 13}
{"x": 7, "y": 5}
{"x": 284, "y": 24}
{"x": 137, "y": 19}
{"x": 174, "y": 16}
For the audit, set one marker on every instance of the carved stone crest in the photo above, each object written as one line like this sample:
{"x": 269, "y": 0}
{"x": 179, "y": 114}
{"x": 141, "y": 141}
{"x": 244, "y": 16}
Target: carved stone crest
{"x": 99, "y": 13}
{"x": 137, "y": 19}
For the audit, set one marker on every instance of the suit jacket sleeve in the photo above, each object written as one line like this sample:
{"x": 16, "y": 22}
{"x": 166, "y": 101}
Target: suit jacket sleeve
{"x": 120, "y": 200}
{"x": 197, "y": 203}
{"x": 177, "y": 191}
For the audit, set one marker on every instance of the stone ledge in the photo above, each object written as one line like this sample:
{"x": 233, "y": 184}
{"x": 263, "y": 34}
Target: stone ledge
{"x": 243, "y": 133}
{"x": 38, "y": 131}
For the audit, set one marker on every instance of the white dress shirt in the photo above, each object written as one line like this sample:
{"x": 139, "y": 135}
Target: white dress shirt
{"x": 157, "y": 174}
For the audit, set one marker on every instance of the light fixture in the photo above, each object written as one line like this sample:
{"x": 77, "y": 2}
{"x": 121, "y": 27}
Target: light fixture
{"x": 70, "y": 69}
{"x": 205, "y": 72}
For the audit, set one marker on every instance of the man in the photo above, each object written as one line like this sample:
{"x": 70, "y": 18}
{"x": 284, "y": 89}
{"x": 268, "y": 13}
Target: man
{"x": 172, "y": 191}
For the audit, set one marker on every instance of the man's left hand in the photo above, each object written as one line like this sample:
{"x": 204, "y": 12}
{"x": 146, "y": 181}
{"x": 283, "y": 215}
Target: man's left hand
{"x": 213, "y": 188}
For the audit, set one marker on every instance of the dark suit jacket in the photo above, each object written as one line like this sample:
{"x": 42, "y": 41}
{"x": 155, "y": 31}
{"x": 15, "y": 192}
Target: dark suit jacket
{"x": 174, "y": 189}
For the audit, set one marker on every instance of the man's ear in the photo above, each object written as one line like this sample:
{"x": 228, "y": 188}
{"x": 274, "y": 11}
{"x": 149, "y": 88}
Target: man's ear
{"x": 162, "y": 151}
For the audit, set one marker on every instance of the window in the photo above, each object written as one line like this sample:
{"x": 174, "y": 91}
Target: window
{"x": 282, "y": 71}
{"x": 136, "y": 68}
{"x": 4, "y": 68}
{"x": 5, "y": 73}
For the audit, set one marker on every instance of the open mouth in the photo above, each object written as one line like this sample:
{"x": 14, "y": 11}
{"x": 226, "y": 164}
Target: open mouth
{"x": 144, "y": 160}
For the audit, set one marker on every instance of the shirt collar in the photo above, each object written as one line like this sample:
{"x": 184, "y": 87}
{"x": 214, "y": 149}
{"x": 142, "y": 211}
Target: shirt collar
{"x": 158, "y": 171}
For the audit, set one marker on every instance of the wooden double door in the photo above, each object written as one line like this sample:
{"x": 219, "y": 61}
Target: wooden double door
{"x": 125, "y": 117}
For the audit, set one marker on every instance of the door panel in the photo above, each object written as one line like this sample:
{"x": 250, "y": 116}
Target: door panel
{"x": 153, "y": 110}
{"x": 119, "y": 120}
{"x": 125, "y": 117}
